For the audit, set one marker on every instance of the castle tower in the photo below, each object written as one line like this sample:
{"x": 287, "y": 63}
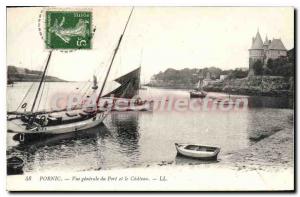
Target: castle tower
{"x": 256, "y": 52}
{"x": 264, "y": 51}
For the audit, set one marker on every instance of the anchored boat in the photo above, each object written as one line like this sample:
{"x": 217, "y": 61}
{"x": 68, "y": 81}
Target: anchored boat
{"x": 197, "y": 151}
{"x": 198, "y": 92}
{"x": 36, "y": 122}
{"x": 123, "y": 98}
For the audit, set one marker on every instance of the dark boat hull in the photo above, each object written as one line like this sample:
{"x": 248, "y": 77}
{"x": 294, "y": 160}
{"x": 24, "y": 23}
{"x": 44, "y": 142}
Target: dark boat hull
{"x": 198, "y": 94}
{"x": 214, "y": 158}
{"x": 15, "y": 166}
{"x": 31, "y": 138}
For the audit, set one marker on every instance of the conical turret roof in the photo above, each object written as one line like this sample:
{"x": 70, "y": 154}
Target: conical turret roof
{"x": 257, "y": 42}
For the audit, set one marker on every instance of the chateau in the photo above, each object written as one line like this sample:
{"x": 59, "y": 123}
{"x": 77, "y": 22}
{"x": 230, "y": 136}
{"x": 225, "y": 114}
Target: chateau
{"x": 265, "y": 50}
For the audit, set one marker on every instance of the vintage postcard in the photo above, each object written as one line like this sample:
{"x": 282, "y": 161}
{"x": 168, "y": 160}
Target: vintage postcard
{"x": 150, "y": 98}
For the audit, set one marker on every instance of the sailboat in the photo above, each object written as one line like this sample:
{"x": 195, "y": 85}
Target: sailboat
{"x": 198, "y": 92}
{"x": 125, "y": 96}
{"x": 36, "y": 122}
{"x": 129, "y": 87}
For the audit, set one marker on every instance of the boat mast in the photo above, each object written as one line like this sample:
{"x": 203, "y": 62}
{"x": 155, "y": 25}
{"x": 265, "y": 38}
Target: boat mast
{"x": 228, "y": 90}
{"x": 112, "y": 60}
{"x": 42, "y": 79}
{"x": 199, "y": 84}
{"x": 141, "y": 59}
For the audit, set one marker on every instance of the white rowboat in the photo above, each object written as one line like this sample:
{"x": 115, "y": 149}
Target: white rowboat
{"x": 198, "y": 151}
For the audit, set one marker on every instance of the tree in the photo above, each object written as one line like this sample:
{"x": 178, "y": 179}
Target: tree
{"x": 280, "y": 67}
{"x": 258, "y": 67}
{"x": 239, "y": 73}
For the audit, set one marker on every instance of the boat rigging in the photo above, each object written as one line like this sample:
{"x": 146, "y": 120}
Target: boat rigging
{"x": 61, "y": 121}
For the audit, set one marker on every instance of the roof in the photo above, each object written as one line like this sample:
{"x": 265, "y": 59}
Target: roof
{"x": 257, "y": 42}
{"x": 277, "y": 44}
{"x": 266, "y": 41}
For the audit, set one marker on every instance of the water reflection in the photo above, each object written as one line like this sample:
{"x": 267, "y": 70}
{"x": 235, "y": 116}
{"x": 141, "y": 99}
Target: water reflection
{"x": 126, "y": 127}
{"x": 270, "y": 102}
{"x": 125, "y": 136}
{"x": 41, "y": 152}
{"x": 93, "y": 149}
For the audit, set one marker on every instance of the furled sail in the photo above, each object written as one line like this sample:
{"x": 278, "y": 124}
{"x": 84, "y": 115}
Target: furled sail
{"x": 130, "y": 84}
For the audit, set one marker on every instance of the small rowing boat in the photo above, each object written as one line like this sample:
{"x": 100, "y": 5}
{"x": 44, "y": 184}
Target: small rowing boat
{"x": 14, "y": 165}
{"x": 198, "y": 151}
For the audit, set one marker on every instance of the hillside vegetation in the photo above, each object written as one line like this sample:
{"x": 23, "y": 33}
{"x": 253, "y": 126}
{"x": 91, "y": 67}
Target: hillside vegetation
{"x": 276, "y": 78}
{"x": 17, "y": 74}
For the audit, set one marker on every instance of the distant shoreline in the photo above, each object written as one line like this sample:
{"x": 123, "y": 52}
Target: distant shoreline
{"x": 39, "y": 81}
{"x": 18, "y": 74}
{"x": 51, "y": 81}
{"x": 272, "y": 86}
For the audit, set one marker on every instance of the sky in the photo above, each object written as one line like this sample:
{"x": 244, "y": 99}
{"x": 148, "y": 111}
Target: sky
{"x": 157, "y": 38}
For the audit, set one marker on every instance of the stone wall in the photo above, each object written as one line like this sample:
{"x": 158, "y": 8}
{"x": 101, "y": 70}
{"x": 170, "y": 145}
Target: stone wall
{"x": 255, "y": 85}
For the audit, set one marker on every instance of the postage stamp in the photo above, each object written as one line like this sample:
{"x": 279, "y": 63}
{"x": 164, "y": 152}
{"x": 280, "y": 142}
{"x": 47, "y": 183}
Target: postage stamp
{"x": 68, "y": 29}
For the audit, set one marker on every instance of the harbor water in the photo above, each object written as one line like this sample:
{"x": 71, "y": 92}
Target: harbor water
{"x": 130, "y": 139}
